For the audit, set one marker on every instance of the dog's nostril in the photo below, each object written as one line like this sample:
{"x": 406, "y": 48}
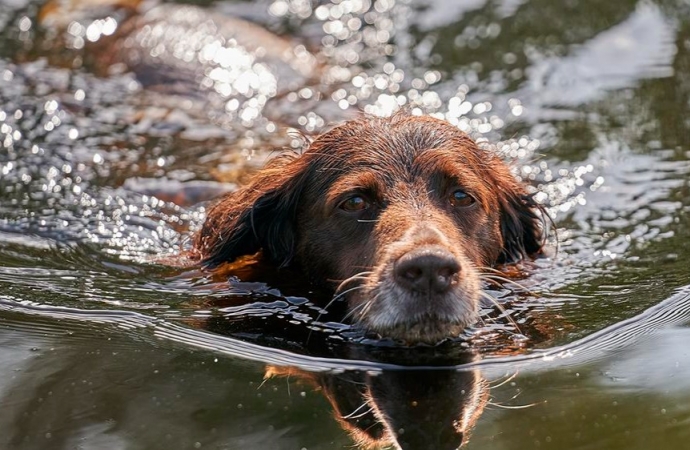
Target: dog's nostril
{"x": 413, "y": 273}
{"x": 445, "y": 273}
{"x": 431, "y": 271}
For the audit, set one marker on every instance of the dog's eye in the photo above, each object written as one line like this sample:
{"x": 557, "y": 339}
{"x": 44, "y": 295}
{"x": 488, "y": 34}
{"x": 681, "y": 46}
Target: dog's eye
{"x": 460, "y": 198}
{"x": 355, "y": 203}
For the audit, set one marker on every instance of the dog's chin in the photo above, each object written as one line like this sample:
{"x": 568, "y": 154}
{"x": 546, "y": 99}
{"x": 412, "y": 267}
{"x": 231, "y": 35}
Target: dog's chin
{"x": 392, "y": 312}
{"x": 427, "y": 330}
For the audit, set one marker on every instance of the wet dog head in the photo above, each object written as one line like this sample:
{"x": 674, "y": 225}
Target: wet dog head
{"x": 398, "y": 215}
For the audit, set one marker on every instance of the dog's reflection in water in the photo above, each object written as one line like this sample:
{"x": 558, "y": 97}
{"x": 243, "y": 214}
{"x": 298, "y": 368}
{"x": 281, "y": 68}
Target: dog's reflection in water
{"x": 406, "y": 409}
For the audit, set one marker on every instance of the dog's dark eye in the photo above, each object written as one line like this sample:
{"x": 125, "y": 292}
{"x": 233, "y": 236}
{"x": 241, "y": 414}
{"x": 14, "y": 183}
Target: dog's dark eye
{"x": 460, "y": 198}
{"x": 355, "y": 203}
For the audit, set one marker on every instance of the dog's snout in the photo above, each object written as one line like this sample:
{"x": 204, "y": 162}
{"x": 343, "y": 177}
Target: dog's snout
{"x": 431, "y": 270}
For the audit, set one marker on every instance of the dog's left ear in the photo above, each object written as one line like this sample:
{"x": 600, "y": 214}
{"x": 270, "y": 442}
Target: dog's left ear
{"x": 522, "y": 225}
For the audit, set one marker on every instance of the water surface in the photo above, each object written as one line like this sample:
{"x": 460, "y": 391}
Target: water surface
{"x": 104, "y": 348}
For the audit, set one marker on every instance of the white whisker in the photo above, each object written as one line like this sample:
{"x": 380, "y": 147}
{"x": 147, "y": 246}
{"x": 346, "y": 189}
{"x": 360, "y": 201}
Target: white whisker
{"x": 495, "y": 277}
{"x": 501, "y": 309}
{"x": 352, "y": 414}
{"x": 353, "y": 311}
{"x": 358, "y": 276}
{"x": 498, "y": 405}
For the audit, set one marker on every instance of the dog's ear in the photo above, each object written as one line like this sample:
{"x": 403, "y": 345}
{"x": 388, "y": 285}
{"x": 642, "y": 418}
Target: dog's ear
{"x": 523, "y": 223}
{"x": 259, "y": 216}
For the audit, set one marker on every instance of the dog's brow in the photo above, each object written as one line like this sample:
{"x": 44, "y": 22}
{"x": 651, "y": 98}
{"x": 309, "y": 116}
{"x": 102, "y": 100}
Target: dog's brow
{"x": 360, "y": 180}
{"x": 446, "y": 166}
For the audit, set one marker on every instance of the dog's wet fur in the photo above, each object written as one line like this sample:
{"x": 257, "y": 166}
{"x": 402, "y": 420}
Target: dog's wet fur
{"x": 399, "y": 216}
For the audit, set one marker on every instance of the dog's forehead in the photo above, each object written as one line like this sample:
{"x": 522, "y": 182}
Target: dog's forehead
{"x": 384, "y": 154}
{"x": 391, "y": 142}
{"x": 412, "y": 132}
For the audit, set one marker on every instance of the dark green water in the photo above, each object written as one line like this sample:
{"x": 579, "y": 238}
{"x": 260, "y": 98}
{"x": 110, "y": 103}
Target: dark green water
{"x": 100, "y": 348}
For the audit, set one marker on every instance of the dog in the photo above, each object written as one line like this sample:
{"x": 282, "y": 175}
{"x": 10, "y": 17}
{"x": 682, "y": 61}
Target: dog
{"x": 398, "y": 216}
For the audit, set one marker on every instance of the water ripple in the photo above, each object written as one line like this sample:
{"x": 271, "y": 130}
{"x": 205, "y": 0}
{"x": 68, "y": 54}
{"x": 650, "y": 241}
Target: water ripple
{"x": 672, "y": 311}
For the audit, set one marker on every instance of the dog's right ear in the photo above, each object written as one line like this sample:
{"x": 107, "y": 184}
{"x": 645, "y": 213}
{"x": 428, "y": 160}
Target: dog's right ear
{"x": 259, "y": 216}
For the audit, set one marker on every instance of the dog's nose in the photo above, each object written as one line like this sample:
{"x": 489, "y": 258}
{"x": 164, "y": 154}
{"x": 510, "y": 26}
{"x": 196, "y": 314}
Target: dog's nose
{"x": 431, "y": 270}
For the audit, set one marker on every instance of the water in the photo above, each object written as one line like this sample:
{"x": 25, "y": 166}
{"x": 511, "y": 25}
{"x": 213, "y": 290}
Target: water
{"x": 113, "y": 137}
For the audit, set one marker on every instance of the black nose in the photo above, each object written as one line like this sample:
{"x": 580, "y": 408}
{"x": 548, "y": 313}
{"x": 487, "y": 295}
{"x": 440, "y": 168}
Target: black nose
{"x": 430, "y": 270}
